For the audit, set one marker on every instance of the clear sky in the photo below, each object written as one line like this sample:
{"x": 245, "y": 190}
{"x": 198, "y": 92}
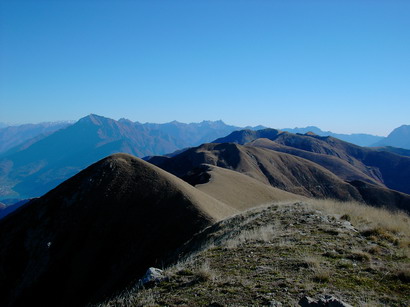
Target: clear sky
{"x": 341, "y": 65}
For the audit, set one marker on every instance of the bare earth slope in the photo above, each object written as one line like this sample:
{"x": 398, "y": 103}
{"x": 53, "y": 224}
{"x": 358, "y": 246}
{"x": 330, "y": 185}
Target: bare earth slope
{"x": 98, "y": 231}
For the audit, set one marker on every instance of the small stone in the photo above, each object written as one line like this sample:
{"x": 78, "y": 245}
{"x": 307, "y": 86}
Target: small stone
{"x": 331, "y": 301}
{"x": 153, "y": 275}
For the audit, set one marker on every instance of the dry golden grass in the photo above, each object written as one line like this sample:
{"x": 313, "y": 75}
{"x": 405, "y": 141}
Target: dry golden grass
{"x": 371, "y": 221}
{"x": 321, "y": 276}
{"x": 360, "y": 256}
{"x": 240, "y": 191}
{"x": 364, "y": 216}
{"x": 205, "y": 272}
{"x": 312, "y": 262}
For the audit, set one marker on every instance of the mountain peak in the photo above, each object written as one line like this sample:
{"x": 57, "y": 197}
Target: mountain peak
{"x": 123, "y": 211}
{"x": 94, "y": 119}
{"x": 402, "y": 129}
{"x": 125, "y": 120}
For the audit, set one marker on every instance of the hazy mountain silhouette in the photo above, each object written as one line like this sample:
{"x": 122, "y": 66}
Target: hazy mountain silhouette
{"x": 97, "y": 232}
{"x": 361, "y": 139}
{"x": 399, "y": 137}
{"x": 387, "y": 168}
{"x": 31, "y": 170}
{"x": 12, "y": 136}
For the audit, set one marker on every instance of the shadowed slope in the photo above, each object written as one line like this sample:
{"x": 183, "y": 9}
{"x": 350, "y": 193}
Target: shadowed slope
{"x": 387, "y": 168}
{"x": 398, "y": 151}
{"x": 97, "y": 232}
{"x": 390, "y": 169}
{"x": 336, "y": 165}
{"x": 382, "y": 197}
{"x": 286, "y": 172}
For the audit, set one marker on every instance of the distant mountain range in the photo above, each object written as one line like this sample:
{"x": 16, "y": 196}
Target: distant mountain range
{"x": 46, "y": 154}
{"x": 360, "y": 139}
{"x": 38, "y": 165}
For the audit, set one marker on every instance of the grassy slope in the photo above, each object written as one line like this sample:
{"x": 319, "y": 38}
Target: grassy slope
{"x": 239, "y": 191}
{"x": 281, "y": 252}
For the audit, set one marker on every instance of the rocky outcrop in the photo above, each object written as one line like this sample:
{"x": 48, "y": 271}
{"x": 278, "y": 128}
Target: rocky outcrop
{"x": 326, "y": 301}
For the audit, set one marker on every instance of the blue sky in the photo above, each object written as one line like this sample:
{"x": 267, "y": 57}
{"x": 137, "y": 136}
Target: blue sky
{"x": 341, "y": 65}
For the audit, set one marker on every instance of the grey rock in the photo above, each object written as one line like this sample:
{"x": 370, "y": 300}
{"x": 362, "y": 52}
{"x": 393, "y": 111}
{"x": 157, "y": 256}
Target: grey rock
{"x": 326, "y": 301}
{"x": 348, "y": 225}
{"x": 153, "y": 275}
{"x": 331, "y": 301}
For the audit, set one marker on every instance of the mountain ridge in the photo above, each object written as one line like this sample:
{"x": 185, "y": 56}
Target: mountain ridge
{"x": 361, "y": 139}
{"x": 388, "y": 168}
{"x": 281, "y": 170}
